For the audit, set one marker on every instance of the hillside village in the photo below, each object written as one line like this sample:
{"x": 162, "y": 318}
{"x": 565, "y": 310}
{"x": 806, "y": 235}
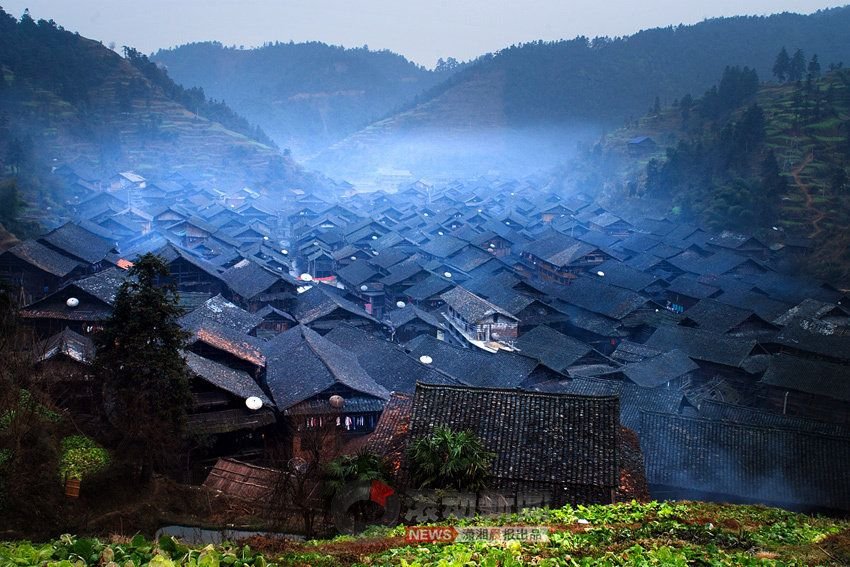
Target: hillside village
{"x": 588, "y": 348}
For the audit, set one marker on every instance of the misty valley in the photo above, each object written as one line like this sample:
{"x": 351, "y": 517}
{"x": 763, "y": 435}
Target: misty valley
{"x": 571, "y": 302}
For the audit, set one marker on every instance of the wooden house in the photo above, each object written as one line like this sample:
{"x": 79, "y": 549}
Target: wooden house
{"x": 322, "y": 390}
{"x": 477, "y": 321}
{"x": 537, "y": 438}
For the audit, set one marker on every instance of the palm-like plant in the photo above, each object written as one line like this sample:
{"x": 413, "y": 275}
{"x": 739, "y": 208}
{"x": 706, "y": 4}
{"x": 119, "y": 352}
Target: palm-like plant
{"x": 450, "y": 460}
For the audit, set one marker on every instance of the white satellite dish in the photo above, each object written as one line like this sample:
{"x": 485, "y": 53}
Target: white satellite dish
{"x": 440, "y": 233}
{"x": 265, "y": 237}
{"x": 72, "y": 302}
{"x": 425, "y": 359}
{"x": 447, "y": 274}
{"x": 306, "y": 277}
{"x": 424, "y": 214}
{"x": 374, "y": 237}
{"x": 354, "y": 257}
{"x": 600, "y": 273}
{"x": 284, "y": 251}
{"x": 364, "y": 287}
{"x": 400, "y": 304}
{"x": 254, "y": 403}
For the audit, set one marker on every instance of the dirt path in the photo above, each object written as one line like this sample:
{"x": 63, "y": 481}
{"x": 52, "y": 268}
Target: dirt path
{"x": 805, "y": 189}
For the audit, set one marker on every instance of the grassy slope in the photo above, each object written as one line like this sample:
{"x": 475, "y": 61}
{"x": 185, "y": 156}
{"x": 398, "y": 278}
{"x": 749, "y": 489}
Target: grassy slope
{"x": 625, "y": 534}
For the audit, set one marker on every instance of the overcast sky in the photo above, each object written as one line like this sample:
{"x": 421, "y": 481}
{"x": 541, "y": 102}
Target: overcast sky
{"x": 422, "y": 30}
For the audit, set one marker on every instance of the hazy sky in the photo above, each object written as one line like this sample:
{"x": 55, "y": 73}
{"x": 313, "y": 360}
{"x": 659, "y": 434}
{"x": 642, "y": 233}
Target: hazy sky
{"x": 422, "y": 30}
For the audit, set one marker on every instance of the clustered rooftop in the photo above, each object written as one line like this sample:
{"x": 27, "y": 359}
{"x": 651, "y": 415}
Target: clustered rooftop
{"x": 576, "y": 316}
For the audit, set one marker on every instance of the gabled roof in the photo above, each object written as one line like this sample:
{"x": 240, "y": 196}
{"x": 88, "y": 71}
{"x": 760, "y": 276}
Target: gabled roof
{"x": 357, "y": 272}
{"x": 810, "y": 376}
{"x": 429, "y": 287}
{"x": 78, "y": 243}
{"x": 302, "y": 364}
{"x": 594, "y": 295}
{"x": 659, "y": 370}
{"x": 558, "y": 249}
{"x": 223, "y": 312}
{"x": 386, "y": 362}
{"x": 710, "y": 315}
{"x": 249, "y": 279}
{"x": 703, "y": 345}
{"x": 67, "y": 343}
{"x": 43, "y": 258}
{"x": 556, "y": 350}
{"x": 538, "y": 438}
{"x": 236, "y": 382}
{"x": 102, "y": 285}
{"x": 474, "y": 366}
{"x": 471, "y": 307}
{"x": 758, "y": 463}
{"x": 625, "y": 276}
{"x": 229, "y": 340}
{"x": 399, "y": 317}
{"x": 316, "y": 303}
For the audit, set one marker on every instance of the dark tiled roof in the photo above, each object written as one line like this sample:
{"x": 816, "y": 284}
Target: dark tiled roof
{"x": 357, "y": 273}
{"x": 659, "y": 370}
{"x": 443, "y": 246}
{"x": 767, "y": 464}
{"x": 558, "y": 249}
{"x": 78, "y": 242}
{"x": 229, "y": 340}
{"x": 43, "y": 258}
{"x": 580, "y": 387}
{"x": 386, "y": 362}
{"x": 803, "y": 337}
{"x": 538, "y": 438}
{"x": 68, "y": 343}
{"x": 399, "y": 317}
{"x": 717, "y": 317}
{"x": 249, "y": 279}
{"x": 235, "y": 382}
{"x": 809, "y": 376}
{"x": 302, "y": 364}
{"x": 474, "y": 366}
{"x": 429, "y": 287}
{"x": 594, "y": 295}
{"x": 702, "y": 345}
{"x": 763, "y": 306}
{"x": 318, "y": 302}
{"x": 470, "y": 306}
{"x": 223, "y": 312}
{"x": 635, "y": 399}
{"x": 556, "y": 350}
{"x": 103, "y": 285}
{"x": 722, "y": 411}
{"x": 622, "y": 275}
{"x": 690, "y": 286}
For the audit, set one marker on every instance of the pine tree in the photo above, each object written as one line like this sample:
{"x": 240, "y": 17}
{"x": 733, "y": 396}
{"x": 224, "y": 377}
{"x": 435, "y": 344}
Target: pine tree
{"x": 782, "y": 65}
{"x": 814, "y": 67}
{"x": 145, "y": 378}
{"x": 797, "y": 67}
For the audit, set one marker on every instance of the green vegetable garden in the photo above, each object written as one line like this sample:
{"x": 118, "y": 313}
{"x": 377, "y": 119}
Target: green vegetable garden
{"x": 664, "y": 534}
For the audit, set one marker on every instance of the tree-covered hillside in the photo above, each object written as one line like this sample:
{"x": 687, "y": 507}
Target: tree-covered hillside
{"x": 575, "y": 87}
{"x": 306, "y": 95}
{"x": 770, "y": 159}
{"x": 65, "y": 98}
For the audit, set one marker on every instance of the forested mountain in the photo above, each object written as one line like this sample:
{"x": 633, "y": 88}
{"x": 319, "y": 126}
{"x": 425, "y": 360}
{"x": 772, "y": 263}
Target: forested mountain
{"x": 578, "y": 85}
{"x": 770, "y": 160}
{"x": 65, "y": 98}
{"x": 305, "y": 95}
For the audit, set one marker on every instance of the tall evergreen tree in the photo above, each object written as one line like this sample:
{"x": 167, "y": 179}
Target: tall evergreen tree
{"x": 144, "y": 375}
{"x": 814, "y": 67}
{"x": 797, "y": 67}
{"x": 782, "y": 65}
